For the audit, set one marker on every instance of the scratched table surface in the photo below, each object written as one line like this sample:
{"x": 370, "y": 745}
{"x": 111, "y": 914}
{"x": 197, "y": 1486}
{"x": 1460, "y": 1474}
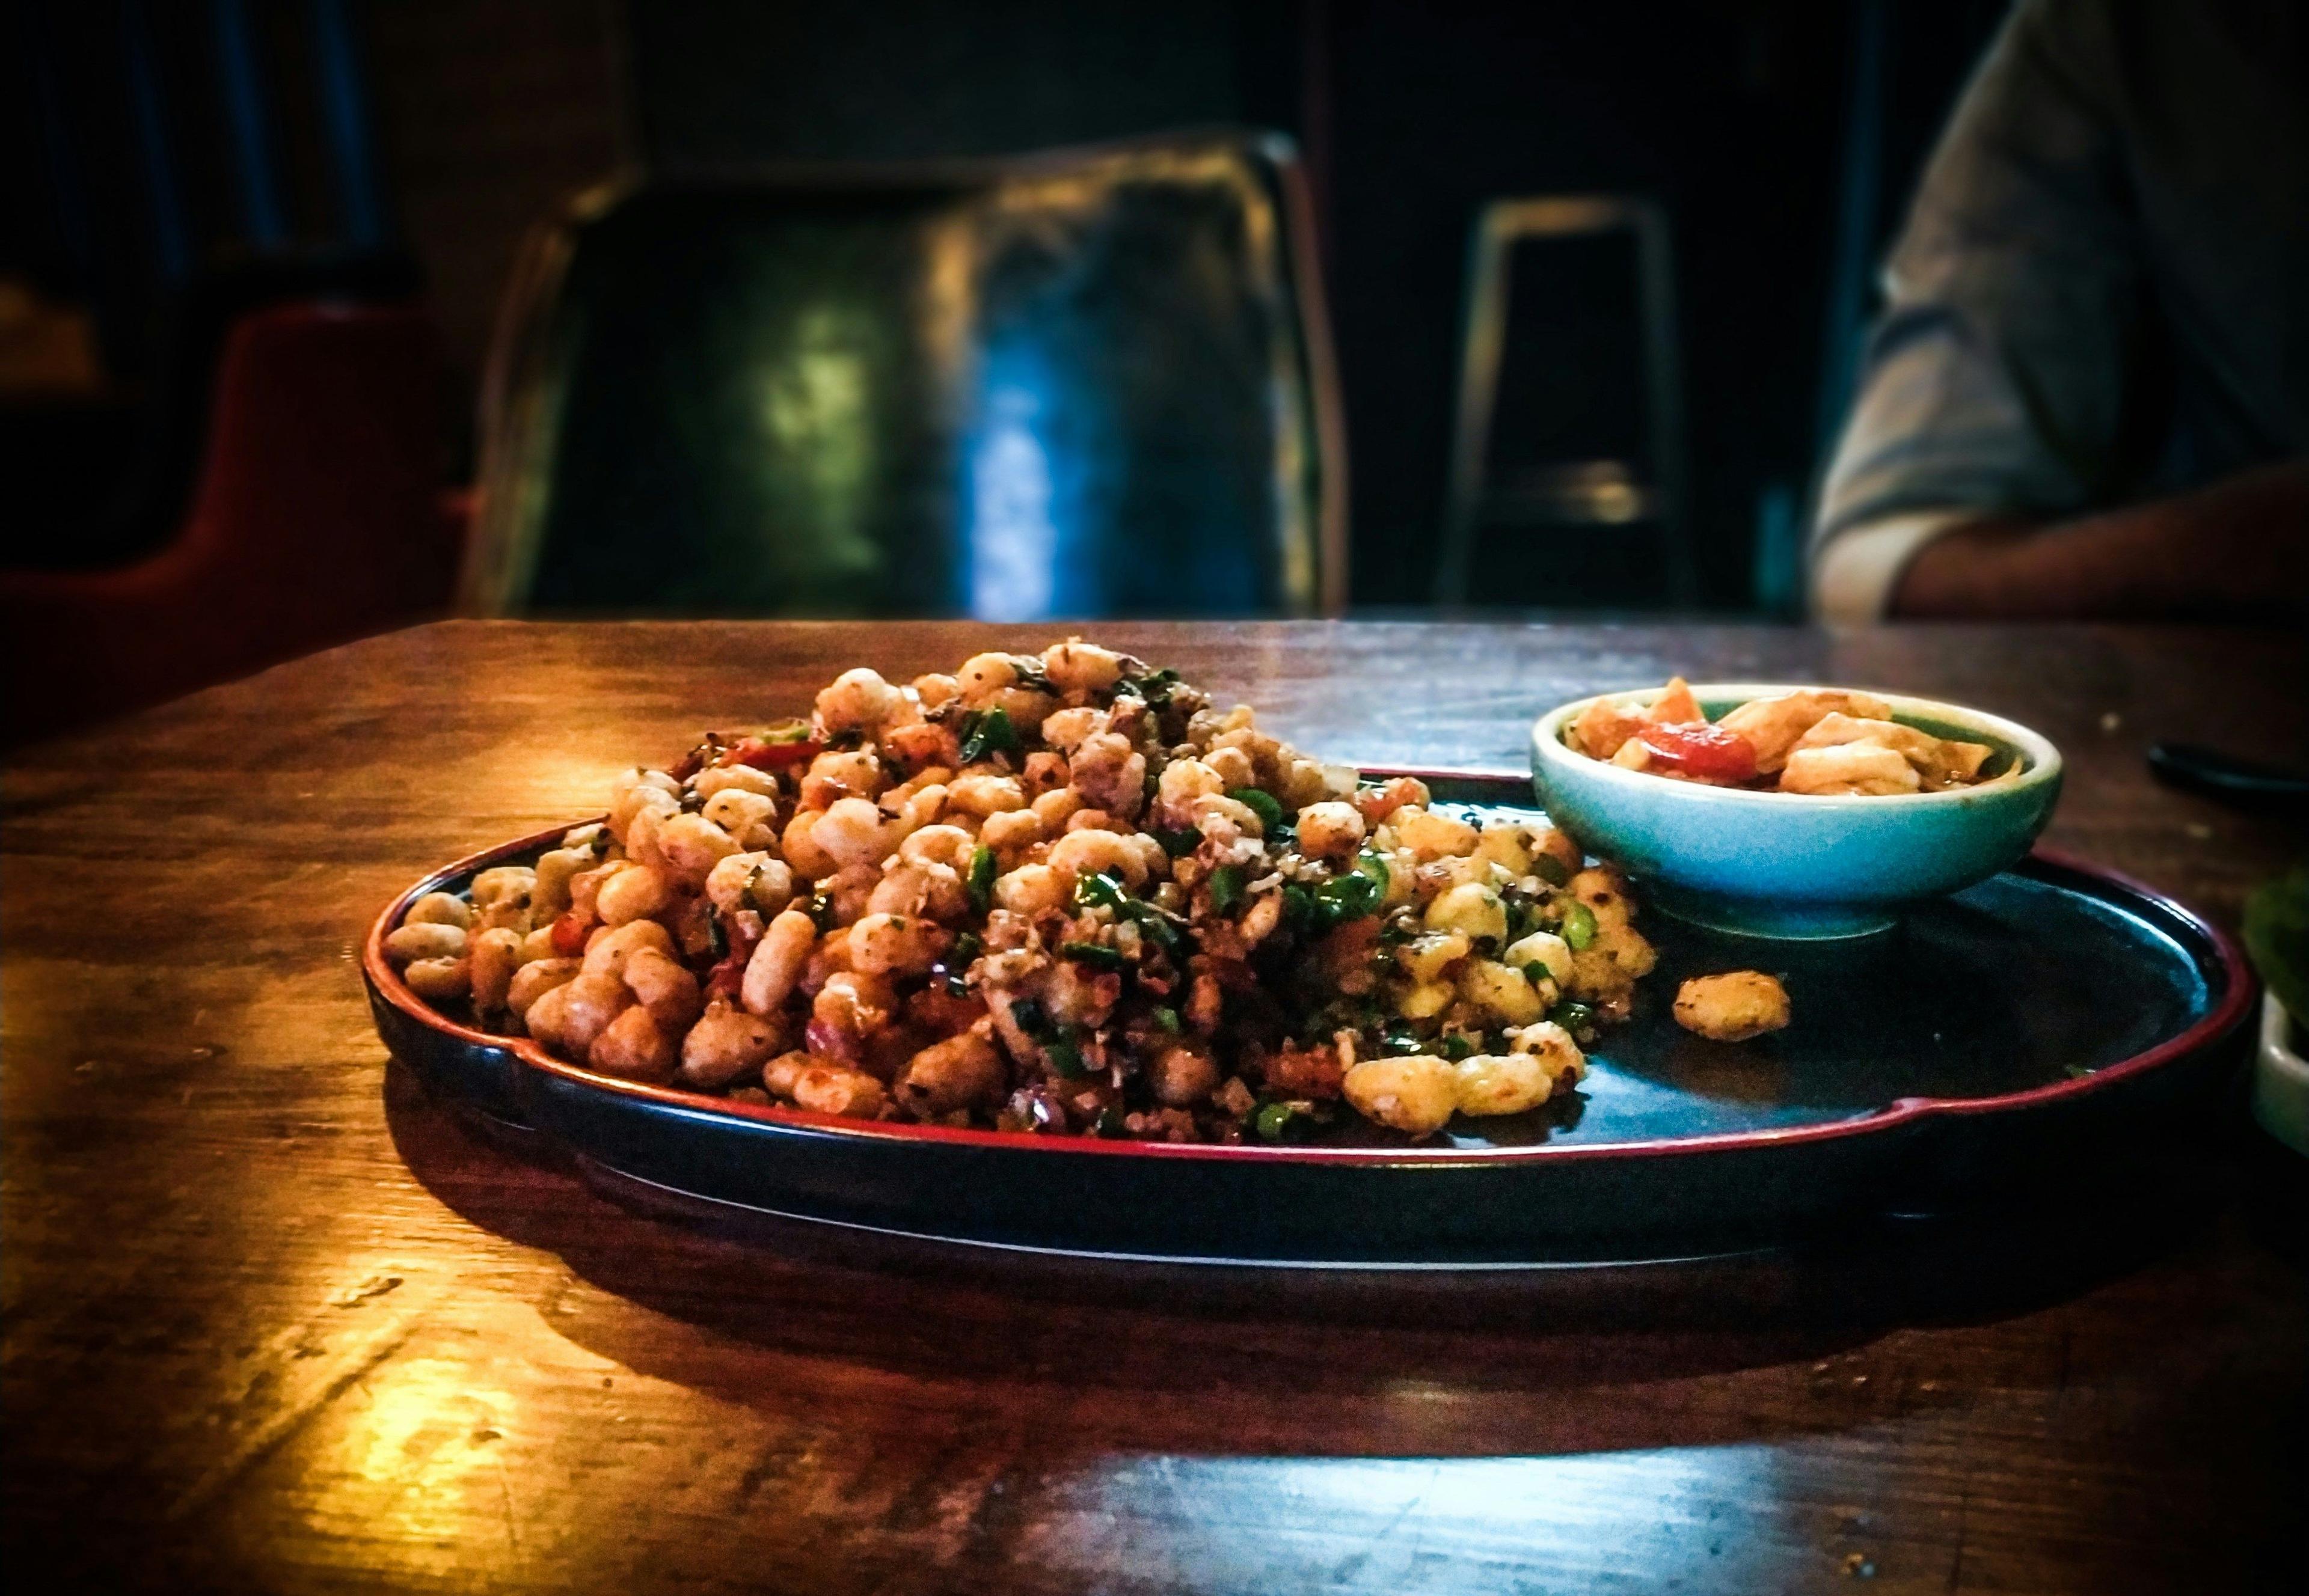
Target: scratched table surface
{"x": 275, "y": 1321}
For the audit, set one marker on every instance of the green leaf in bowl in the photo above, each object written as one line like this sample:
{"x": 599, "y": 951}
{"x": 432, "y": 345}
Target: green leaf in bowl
{"x": 2277, "y": 938}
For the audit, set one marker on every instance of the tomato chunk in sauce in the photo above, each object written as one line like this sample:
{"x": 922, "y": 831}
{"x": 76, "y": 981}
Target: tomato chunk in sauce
{"x": 1703, "y": 751}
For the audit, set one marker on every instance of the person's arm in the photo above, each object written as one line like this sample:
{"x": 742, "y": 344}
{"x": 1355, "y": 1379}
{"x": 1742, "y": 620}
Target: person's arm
{"x": 2237, "y": 550}
{"x": 1998, "y": 381}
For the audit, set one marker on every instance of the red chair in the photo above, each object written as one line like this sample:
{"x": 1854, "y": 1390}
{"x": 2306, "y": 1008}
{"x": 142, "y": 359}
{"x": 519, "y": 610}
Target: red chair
{"x": 319, "y": 516}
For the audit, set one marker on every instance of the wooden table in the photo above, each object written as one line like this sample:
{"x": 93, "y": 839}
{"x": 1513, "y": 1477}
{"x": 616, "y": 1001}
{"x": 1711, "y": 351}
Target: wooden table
{"x": 274, "y": 1322}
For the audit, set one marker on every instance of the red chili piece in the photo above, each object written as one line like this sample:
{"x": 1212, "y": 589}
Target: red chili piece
{"x": 773, "y": 757}
{"x": 569, "y": 936}
{"x": 1699, "y": 749}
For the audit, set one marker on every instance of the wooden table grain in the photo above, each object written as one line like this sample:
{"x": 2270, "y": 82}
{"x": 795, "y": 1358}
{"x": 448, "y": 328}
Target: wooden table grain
{"x": 274, "y": 1322}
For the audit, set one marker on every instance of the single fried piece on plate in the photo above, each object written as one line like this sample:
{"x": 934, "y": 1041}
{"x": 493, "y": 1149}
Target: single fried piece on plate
{"x": 1732, "y": 1007}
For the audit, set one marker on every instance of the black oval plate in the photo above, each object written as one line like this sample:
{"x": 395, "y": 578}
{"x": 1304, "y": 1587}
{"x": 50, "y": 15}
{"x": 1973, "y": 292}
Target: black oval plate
{"x": 2054, "y": 1018}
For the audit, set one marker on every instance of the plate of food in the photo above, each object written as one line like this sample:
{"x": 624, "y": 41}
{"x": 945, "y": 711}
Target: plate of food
{"x": 1055, "y": 952}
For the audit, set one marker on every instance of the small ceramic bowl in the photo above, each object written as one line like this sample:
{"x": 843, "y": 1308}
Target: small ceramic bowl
{"x": 1789, "y": 864}
{"x": 2280, "y": 1078}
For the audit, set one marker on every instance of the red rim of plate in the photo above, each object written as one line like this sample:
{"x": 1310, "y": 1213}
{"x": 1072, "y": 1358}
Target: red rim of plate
{"x": 2225, "y": 1014}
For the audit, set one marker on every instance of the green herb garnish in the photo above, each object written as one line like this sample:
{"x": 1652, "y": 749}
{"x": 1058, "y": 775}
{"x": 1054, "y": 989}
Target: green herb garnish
{"x": 1523, "y": 918}
{"x": 1154, "y": 686}
{"x": 1225, "y": 888}
{"x": 980, "y": 883}
{"x": 1299, "y": 910}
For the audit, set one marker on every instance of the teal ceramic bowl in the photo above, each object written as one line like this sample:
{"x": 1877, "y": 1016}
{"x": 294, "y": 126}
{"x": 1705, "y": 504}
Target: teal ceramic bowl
{"x": 1787, "y": 864}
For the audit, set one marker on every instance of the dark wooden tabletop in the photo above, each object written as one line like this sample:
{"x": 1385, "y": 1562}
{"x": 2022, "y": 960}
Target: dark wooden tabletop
{"x": 274, "y": 1322}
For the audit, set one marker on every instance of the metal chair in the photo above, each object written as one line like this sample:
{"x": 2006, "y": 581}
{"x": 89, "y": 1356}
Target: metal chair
{"x": 1094, "y": 383}
{"x": 1613, "y": 496}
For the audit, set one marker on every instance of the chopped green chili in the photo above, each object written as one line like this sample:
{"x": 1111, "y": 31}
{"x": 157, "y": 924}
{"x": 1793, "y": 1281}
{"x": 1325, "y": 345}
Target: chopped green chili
{"x": 1095, "y": 953}
{"x": 1578, "y": 926}
{"x": 1274, "y": 1122}
{"x": 1572, "y": 1015}
{"x": 1227, "y": 888}
{"x": 988, "y": 731}
{"x": 1155, "y": 925}
{"x": 1260, "y": 803}
{"x": 1099, "y": 892}
{"x": 1373, "y": 866}
{"x": 1178, "y": 844}
{"x": 1065, "y": 1057}
{"x": 1348, "y": 897}
{"x": 980, "y": 882}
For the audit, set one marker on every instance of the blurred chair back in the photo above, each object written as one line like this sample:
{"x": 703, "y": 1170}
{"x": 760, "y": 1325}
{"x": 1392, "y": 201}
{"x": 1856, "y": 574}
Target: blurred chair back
{"x": 1566, "y": 479}
{"x": 1089, "y": 384}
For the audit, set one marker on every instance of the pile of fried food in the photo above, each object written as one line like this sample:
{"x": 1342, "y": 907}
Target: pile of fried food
{"x": 1819, "y": 740}
{"x": 1056, "y": 892}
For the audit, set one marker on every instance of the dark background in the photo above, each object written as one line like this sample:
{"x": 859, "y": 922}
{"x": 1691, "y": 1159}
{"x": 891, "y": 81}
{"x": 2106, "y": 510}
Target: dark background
{"x": 455, "y": 126}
